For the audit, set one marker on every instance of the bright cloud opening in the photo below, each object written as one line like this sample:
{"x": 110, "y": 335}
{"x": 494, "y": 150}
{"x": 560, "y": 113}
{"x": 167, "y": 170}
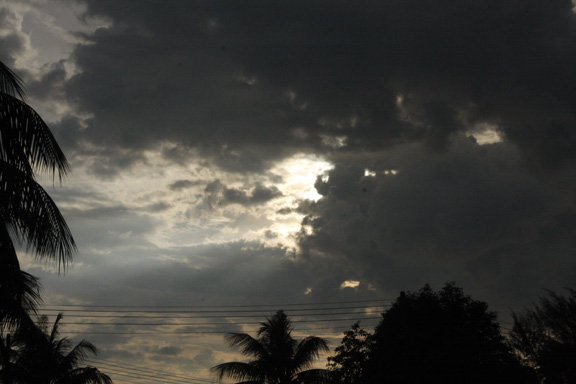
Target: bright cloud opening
{"x": 350, "y": 284}
{"x": 369, "y": 173}
{"x": 485, "y": 133}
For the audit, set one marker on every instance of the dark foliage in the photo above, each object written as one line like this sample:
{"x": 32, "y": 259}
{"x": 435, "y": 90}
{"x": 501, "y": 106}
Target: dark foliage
{"x": 276, "y": 358}
{"x": 37, "y": 355}
{"x": 351, "y": 356}
{"x": 545, "y": 336}
{"x": 27, "y": 213}
{"x": 441, "y": 337}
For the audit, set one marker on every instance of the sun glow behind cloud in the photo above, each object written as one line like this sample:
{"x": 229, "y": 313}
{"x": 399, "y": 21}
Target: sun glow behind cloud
{"x": 350, "y": 284}
{"x": 299, "y": 173}
{"x": 485, "y": 133}
{"x": 173, "y": 205}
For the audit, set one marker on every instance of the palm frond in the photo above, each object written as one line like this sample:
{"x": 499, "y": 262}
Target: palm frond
{"x": 85, "y": 375}
{"x": 249, "y": 346}
{"x": 277, "y": 358}
{"x": 26, "y": 141}
{"x": 20, "y": 297}
{"x": 237, "y": 371}
{"x": 28, "y": 209}
{"x": 314, "y": 376}
{"x": 10, "y": 82}
{"x": 78, "y": 354}
{"x": 251, "y": 382}
{"x": 278, "y": 324}
{"x": 55, "y": 328}
{"x": 19, "y": 291}
{"x": 307, "y": 350}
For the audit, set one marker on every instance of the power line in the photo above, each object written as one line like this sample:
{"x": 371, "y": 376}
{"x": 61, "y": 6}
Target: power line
{"x": 216, "y": 306}
{"x": 219, "y": 332}
{"x": 100, "y": 360}
{"x": 209, "y": 323}
{"x": 146, "y": 377}
{"x": 129, "y": 369}
{"x": 211, "y": 316}
{"x": 194, "y": 311}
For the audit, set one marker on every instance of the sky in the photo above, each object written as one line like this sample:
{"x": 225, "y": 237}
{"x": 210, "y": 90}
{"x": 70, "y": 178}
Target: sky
{"x": 232, "y": 154}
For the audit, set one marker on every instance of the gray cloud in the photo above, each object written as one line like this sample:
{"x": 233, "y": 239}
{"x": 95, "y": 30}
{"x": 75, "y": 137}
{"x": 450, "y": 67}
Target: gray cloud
{"x": 220, "y": 195}
{"x": 465, "y": 215}
{"x": 11, "y": 44}
{"x": 371, "y": 86}
{"x": 395, "y": 83}
{"x": 227, "y": 77}
{"x": 182, "y": 184}
{"x": 170, "y": 351}
{"x": 158, "y": 207}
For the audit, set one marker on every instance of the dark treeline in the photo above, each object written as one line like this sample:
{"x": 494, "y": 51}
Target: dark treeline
{"x": 447, "y": 337}
{"x": 424, "y": 337}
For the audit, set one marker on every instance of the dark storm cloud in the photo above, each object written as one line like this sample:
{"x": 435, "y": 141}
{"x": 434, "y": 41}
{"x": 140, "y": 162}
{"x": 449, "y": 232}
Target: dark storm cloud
{"x": 109, "y": 229}
{"x": 240, "y": 79}
{"x": 473, "y": 214}
{"x": 216, "y": 274}
{"x": 49, "y": 86}
{"x": 235, "y": 272}
{"x": 182, "y": 184}
{"x": 108, "y": 163}
{"x": 270, "y": 234}
{"x": 220, "y": 195}
{"x": 169, "y": 351}
{"x": 157, "y": 207}
{"x": 10, "y": 43}
{"x": 377, "y": 85}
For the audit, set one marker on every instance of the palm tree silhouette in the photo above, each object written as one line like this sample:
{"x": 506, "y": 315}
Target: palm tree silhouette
{"x": 41, "y": 357}
{"x": 276, "y": 357}
{"x": 27, "y": 212}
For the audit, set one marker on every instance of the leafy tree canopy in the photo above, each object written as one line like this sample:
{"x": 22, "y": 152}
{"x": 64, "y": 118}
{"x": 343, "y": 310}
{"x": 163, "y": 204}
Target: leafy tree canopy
{"x": 443, "y": 337}
{"x": 275, "y": 357}
{"x": 545, "y": 336}
{"x": 38, "y": 355}
{"x": 351, "y": 356}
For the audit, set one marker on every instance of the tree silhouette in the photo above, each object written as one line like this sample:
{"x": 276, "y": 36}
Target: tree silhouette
{"x": 545, "y": 336}
{"x": 441, "y": 337}
{"x": 351, "y": 357}
{"x": 27, "y": 212}
{"x": 276, "y": 358}
{"x": 39, "y": 356}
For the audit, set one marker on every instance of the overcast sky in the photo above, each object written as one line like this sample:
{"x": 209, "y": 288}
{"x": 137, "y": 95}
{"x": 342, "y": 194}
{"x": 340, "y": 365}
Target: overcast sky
{"x": 262, "y": 152}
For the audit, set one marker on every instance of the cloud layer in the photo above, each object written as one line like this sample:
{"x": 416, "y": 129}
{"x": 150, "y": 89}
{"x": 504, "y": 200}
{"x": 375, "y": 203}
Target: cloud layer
{"x": 245, "y": 152}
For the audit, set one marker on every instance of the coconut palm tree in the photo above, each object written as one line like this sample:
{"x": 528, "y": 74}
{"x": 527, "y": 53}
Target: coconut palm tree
{"x": 41, "y": 357}
{"x": 276, "y": 358}
{"x": 27, "y": 213}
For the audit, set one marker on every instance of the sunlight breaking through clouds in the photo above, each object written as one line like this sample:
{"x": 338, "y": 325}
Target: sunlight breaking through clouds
{"x": 195, "y": 168}
{"x": 350, "y": 284}
{"x": 486, "y": 133}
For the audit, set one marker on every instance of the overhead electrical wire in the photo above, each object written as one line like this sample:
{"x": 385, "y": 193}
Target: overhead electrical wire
{"x": 216, "y": 312}
{"x": 139, "y": 369}
{"x": 156, "y": 378}
{"x": 348, "y": 314}
{"x": 209, "y": 323}
{"x": 219, "y": 311}
{"x": 146, "y": 374}
{"x": 220, "y": 331}
{"x": 216, "y": 306}
{"x": 301, "y": 314}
